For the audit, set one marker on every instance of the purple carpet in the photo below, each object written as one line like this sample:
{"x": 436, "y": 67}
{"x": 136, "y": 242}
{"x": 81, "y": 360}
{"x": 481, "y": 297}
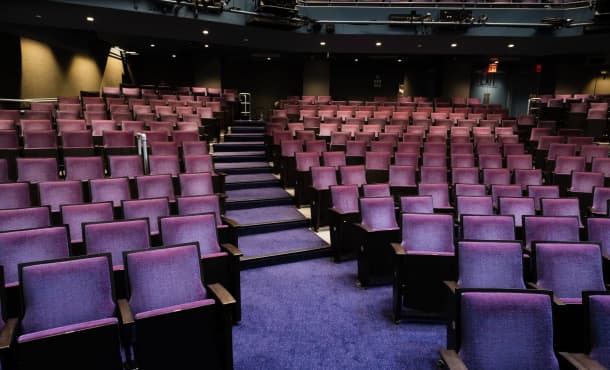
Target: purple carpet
{"x": 265, "y": 214}
{"x": 272, "y": 192}
{"x": 279, "y": 241}
{"x": 311, "y": 315}
{"x": 254, "y": 177}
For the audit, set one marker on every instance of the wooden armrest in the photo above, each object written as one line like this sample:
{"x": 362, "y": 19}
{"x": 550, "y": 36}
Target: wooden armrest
{"x": 8, "y": 333}
{"x": 125, "y": 311}
{"x": 220, "y": 173}
{"x": 398, "y": 249}
{"x": 581, "y": 361}
{"x": 452, "y": 360}
{"x": 452, "y": 285}
{"x": 532, "y": 285}
{"x": 221, "y": 294}
{"x": 232, "y": 250}
{"x": 229, "y": 221}
{"x": 363, "y": 227}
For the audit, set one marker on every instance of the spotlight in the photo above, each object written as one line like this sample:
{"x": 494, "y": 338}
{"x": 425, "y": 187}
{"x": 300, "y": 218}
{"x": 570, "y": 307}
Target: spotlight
{"x": 90, "y": 19}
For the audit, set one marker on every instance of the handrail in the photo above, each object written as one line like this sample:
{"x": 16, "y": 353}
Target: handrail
{"x": 31, "y": 100}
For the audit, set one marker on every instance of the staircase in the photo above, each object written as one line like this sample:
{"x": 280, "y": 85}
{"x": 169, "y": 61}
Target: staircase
{"x": 270, "y": 229}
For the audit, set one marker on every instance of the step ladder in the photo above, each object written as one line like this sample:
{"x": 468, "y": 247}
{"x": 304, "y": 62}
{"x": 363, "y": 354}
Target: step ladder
{"x": 245, "y": 104}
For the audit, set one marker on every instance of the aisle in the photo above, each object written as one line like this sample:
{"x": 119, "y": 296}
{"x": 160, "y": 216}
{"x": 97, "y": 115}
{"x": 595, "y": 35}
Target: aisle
{"x": 311, "y": 315}
{"x": 270, "y": 228}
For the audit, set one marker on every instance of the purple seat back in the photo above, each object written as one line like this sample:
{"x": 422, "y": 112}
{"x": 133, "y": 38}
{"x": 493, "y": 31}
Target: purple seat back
{"x": 118, "y": 139}
{"x": 57, "y": 193}
{"x": 196, "y": 183}
{"x": 344, "y": 198}
{"x": 40, "y": 139}
{"x": 14, "y": 195}
{"x": 77, "y": 139}
{"x": 164, "y": 148}
{"x": 147, "y": 208}
{"x": 323, "y": 177}
{"x": 181, "y": 136}
{"x": 31, "y": 245}
{"x": 465, "y": 175}
{"x": 427, "y": 233}
{"x": 564, "y": 165}
{"x": 568, "y": 269}
{"x": 496, "y": 176}
{"x": 517, "y": 207}
{"x": 416, "y": 204}
{"x": 84, "y": 168}
{"x": 402, "y": 176}
{"x": 378, "y": 213}
{"x": 194, "y": 147}
{"x": 164, "y": 165}
{"x": 439, "y": 193}
{"x": 433, "y": 175}
{"x": 513, "y": 317}
{"x": 199, "y": 228}
{"x": 155, "y": 186}
{"x": 434, "y": 160}
{"x": 472, "y": 190}
{"x": 599, "y": 232}
{"x": 505, "y": 191}
{"x": 353, "y": 175}
{"x": 602, "y": 165}
{"x": 110, "y": 189}
{"x": 200, "y": 204}
{"x": 164, "y": 277}
{"x": 88, "y": 281}
{"x": 519, "y": 161}
{"x": 74, "y": 215}
{"x": 305, "y": 160}
{"x": 37, "y": 169}
{"x": 467, "y": 205}
{"x": 407, "y": 159}
{"x": 490, "y": 227}
{"x": 198, "y": 163}
{"x": 335, "y": 159}
{"x": 9, "y": 139}
{"x": 561, "y": 207}
{"x": 376, "y": 190}
{"x": 493, "y": 264}
{"x": 355, "y": 148}
{"x": 542, "y": 191}
{"x": 462, "y": 160}
{"x": 24, "y": 218}
{"x": 550, "y": 228}
{"x": 599, "y": 327}
{"x": 585, "y": 182}
{"x": 377, "y": 160}
{"x": 528, "y": 177}
{"x": 490, "y": 161}
{"x": 125, "y": 165}
{"x": 116, "y": 237}
{"x": 290, "y": 147}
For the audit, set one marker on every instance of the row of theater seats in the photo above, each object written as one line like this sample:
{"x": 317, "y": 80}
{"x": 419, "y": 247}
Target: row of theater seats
{"x": 423, "y": 253}
{"x": 70, "y": 317}
{"x": 433, "y": 253}
{"x": 380, "y": 100}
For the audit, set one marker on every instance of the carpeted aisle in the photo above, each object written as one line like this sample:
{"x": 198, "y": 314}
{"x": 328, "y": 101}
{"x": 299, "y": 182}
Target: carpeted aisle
{"x": 311, "y": 315}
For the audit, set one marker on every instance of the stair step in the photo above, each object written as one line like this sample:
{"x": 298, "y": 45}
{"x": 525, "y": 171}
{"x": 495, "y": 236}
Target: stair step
{"x": 249, "y": 156}
{"x": 247, "y": 181}
{"x": 247, "y": 130}
{"x": 257, "y": 197}
{"x": 266, "y": 219}
{"x": 243, "y": 167}
{"x": 239, "y": 146}
{"x": 233, "y": 137}
{"x": 249, "y": 123}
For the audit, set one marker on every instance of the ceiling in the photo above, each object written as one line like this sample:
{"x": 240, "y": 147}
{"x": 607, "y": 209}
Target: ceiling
{"x": 137, "y": 29}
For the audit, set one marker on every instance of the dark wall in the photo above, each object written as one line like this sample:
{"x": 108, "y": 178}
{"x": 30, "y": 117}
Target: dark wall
{"x": 161, "y": 68}
{"x": 10, "y": 87}
{"x": 365, "y": 79}
{"x": 266, "y": 80}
